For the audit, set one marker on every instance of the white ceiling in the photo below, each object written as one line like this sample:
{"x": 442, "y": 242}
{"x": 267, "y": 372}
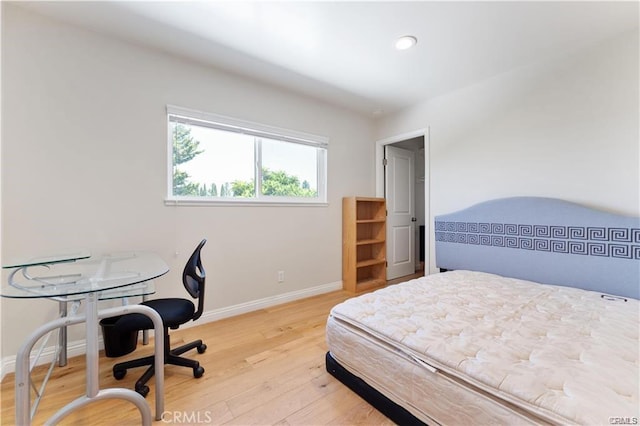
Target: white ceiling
{"x": 342, "y": 52}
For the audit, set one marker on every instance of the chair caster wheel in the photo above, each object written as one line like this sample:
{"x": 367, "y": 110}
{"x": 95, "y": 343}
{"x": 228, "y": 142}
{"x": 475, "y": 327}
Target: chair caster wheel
{"x": 198, "y": 372}
{"x": 119, "y": 374}
{"x": 202, "y": 348}
{"x": 143, "y": 390}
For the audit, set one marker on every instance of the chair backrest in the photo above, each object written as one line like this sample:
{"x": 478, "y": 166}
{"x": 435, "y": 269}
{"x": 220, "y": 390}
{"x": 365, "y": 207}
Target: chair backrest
{"x": 193, "y": 278}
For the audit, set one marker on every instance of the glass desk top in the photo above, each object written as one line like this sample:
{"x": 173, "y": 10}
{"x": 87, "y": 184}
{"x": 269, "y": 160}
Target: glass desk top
{"x": 140, "y": 289}
{"x": 48, "y": 260}
{"x": 66, "y": 276}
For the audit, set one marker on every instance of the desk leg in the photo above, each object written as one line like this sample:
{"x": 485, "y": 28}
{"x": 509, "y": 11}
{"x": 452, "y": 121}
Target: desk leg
{"x": 145, "y": 333}
{"x": 62, "y": 335}
{"x": 92, "y": 355}
{"x": 22, "y": 386}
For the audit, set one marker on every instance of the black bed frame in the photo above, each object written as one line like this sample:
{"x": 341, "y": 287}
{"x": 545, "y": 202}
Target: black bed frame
{"x": 383, "y": 404}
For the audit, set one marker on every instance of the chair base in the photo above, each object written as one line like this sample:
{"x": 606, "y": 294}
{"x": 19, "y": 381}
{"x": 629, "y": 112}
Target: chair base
{"x": 171, "y": 356}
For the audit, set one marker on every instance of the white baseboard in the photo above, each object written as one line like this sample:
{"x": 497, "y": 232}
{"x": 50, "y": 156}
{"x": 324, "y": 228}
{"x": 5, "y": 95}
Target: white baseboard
{"x": 254, "y": 305}
{"x": 78, "y": 347}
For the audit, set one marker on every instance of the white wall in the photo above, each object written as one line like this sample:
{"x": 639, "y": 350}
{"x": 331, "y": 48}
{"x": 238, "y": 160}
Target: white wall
{"x": 567, "y": 129}
{"x": 84, "y": 165}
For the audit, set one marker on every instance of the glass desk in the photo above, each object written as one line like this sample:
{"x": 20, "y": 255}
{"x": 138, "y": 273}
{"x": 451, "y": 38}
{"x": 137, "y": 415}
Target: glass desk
{"x": 77, "y": 275}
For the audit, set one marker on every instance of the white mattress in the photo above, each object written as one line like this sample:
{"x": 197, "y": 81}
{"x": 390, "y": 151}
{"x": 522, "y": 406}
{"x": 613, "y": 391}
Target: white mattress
{"x": 469, "y": 346}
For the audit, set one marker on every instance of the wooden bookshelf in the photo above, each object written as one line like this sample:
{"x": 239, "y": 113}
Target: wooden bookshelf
{"x": 364, "y": 257}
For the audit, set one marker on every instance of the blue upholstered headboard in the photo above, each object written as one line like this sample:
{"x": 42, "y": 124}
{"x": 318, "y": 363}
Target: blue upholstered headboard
{"x": 544, "y": 240}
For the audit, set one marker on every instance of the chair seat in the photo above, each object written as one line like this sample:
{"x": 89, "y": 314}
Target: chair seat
{"x": 174, "y": 312}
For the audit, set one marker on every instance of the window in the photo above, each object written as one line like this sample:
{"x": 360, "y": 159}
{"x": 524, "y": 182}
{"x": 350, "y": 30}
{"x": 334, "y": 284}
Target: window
{"x": 221, "y": 159}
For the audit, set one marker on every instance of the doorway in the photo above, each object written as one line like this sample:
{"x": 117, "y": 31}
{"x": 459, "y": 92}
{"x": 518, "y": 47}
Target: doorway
{"x": 401, "y": 178}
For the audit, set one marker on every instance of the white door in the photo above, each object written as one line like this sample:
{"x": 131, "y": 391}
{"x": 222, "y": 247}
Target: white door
{"x": 399, "y": 192}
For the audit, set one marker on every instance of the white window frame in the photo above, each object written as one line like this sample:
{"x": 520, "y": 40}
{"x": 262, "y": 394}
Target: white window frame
{"x": 229, "y": 124}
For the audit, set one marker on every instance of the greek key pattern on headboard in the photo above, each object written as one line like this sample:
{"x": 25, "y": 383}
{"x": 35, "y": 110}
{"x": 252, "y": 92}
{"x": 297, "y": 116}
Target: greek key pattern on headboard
{"x": 591, "y": 241}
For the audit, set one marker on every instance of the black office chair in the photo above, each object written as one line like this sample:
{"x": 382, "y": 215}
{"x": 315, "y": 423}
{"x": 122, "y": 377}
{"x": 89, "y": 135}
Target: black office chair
{"x": 174, "y": 313}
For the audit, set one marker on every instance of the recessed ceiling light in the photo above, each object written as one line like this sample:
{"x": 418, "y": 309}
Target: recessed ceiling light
{"x": 406, "y": 42}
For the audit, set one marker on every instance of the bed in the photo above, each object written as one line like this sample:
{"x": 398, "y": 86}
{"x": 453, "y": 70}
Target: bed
{"x": 535, "y": 321}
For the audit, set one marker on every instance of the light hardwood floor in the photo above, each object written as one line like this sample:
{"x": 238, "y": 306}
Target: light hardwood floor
{"x": 262, "y": 368}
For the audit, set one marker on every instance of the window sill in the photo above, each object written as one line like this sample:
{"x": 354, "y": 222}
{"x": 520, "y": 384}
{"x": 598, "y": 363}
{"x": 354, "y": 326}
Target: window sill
{"x": 233, "y": 203}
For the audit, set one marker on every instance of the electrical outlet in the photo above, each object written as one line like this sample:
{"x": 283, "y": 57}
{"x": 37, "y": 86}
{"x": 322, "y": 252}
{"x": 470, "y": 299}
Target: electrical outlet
{"x": 280, "y": 276}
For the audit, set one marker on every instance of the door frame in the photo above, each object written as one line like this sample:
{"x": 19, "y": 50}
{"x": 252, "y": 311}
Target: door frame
{"x": 427, "y": 176}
